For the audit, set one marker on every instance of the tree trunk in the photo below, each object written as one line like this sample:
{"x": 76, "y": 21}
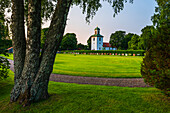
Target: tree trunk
{"x": 19, "y": 43}
{"x": 39, "y": 89}
{"x": 34, "y": 77}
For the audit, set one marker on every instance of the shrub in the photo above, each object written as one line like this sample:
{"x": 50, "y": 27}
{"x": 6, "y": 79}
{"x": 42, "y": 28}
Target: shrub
{"x": 4, "y": 66}
{"x": 156, "y": 64}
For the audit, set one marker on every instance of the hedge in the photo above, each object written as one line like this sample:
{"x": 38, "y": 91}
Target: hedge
{"x": 106, "y": 52}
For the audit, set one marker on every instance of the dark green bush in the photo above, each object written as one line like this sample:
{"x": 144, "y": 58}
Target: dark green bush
{"x": 155, "y": 68}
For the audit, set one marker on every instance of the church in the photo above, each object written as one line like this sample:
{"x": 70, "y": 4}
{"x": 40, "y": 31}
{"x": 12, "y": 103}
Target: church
{"x": 97, "y": 41}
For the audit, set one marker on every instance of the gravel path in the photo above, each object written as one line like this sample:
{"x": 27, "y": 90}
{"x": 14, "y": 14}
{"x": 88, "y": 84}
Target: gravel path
{"x": 123, "y": 82}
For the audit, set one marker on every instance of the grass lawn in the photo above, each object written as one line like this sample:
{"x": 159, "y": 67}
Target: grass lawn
{"x": 74, "y": 98}
{"x": 97, "y": 65}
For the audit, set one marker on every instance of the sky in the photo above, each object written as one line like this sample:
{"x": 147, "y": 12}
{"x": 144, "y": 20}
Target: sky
{"x": 132, "y": 19}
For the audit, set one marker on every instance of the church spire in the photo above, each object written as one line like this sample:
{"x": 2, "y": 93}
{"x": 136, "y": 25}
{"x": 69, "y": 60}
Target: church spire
{"x": 97, "y": 30}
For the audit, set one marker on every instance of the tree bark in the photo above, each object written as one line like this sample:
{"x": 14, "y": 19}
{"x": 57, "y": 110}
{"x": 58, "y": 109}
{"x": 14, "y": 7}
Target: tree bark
{"x": 32, "y": 85}
{"x": 19, "y": 43}
{"x": 39, "y": 89}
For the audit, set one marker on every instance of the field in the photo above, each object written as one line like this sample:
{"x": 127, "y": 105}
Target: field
{"x": 74, "y": 98}
{"x": 97, "y": 66}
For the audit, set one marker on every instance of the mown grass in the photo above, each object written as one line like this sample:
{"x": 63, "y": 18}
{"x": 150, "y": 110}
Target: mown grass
{"x": 75, "y": 98}
{"x": 97, "y": 65}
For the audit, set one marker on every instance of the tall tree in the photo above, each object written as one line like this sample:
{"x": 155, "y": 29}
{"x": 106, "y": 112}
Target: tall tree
{"x": 116, "y": 39}
{"x": 133, "y": 43}
{"x": 125, "y": 41}
{"x": 145, "y": 38}
{"x": 156, "y": 64}
{"x": 69, "y": 42}
{"x": 32, "y": 69}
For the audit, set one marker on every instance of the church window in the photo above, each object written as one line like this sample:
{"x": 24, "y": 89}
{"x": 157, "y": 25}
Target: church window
{"x": 99, "y": 39}
{"x": 93, "y": 39}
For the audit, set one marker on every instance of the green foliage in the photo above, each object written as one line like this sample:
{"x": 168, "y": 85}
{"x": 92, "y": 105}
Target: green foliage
{"x": 4, "y": 44}
{"x": 146, "y": 37}
{"x": 125, "y": 41}
{"x": 116, "y": 39}
{"x": 156, "y": 64}
{"x": 4, "y": 66}
{"x": 4, "y": 32}
{"x": 81, "y": 47}
{"x": 133, "y": 43}
{"x": 69, "y": 42}
{"x": 43, "y": 36}
{"x": 90, "y": 7}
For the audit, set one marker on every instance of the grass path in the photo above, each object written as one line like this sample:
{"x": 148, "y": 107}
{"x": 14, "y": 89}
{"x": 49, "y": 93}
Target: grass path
{"x": 74, "y": 98}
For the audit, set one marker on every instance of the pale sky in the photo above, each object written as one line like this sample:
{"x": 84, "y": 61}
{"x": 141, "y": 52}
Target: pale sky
{"x": 132, "y": 19}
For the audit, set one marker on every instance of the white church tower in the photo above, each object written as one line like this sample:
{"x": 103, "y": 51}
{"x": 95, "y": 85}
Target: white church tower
{"x": 96, "y": 40}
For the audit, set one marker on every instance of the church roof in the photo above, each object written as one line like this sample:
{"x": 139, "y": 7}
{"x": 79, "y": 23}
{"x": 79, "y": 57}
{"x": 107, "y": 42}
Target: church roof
{"x": 97, "y": 28}
{"x": 105, "y": 44}
{"x": 96, "y": 35}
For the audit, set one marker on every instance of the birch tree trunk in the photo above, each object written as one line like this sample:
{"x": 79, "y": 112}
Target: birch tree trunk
{"x": 19, "y": 44}
{"x": 33, "y": 75}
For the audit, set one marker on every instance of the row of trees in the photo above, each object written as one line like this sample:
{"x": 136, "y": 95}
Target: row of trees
{"x": 124, "y": 41}
{"x": 119, "y": 39}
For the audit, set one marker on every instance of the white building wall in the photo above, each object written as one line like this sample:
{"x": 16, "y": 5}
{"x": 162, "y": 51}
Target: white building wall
{"x": 94, "y": 43}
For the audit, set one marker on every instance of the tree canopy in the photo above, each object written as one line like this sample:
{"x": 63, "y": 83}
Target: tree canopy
{"x": 146, "y": 37}
{"x": 116, "y": 39}
{"x": 125, "y": 41}
{"x": 69, "y": 42}
{"x": 133, "y": 43}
